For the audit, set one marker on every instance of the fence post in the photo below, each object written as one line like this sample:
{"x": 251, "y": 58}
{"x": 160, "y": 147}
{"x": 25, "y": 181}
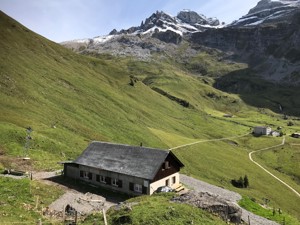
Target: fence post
{"x": 75, "y": 217}
{"x": 248, "y": 219}
{"x": 104, "y": 217}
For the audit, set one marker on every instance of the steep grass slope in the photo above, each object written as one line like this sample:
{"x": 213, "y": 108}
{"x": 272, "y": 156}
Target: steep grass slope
{"x": 69, "y": 100}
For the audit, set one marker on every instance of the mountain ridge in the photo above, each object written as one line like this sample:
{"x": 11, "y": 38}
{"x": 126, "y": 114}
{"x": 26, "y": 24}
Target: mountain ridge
{"x": 69, "y": 99}
{"x": 266, "y": 37}
{"x": 185, "y": 22}
{"x": 268, "y": 11}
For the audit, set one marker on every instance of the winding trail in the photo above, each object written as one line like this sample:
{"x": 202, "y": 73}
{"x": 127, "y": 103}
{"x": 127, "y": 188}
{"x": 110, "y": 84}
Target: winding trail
{"x": 256, "y": 220}
{"x": 250, "y": 156}
{"x": 265, "y": 149}
{"x": 210, "y": 140}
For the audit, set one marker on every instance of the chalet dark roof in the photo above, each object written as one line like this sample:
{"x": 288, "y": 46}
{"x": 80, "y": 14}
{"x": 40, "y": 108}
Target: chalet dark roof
{"x": 124, "y": 159}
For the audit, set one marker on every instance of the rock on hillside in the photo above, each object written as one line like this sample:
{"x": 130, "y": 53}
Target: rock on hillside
{"x": 212, "y": 203}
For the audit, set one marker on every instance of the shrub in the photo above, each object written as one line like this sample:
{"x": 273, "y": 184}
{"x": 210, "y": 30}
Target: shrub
{"x": 241, "y": 182}
{"x": 246, "y": 181}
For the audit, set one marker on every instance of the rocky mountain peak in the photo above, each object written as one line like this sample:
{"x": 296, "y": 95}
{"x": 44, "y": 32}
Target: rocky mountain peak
{"x": 185, "y": 22}
{"x": 157, "y": 19}
{"x": 194, "y": 18}
{"x": 271, "y": 4}
{"x": 269, "y": 11}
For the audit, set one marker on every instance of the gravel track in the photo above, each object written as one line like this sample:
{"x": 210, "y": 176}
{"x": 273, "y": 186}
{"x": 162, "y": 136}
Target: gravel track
{"x": 197, "y": 185}
{"x": 231, "y": 196}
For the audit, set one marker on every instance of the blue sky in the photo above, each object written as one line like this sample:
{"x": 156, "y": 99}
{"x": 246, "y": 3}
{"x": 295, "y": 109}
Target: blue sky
{"x": 61, "y": 20}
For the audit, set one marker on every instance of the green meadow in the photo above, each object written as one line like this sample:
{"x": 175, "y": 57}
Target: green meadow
{"x": 70, "y": 100}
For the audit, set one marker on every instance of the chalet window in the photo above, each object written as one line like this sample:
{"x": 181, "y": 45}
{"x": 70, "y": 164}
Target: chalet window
{"x": 86, "y": 175}
{"x": 174, "y": 180}
{"x": 167, "y": 166}
{"x": 146, "y": 183}
{"x": 102, "y": 179}
{"x": 138, "y": 188}
{"x": 114, "y": 182}
{"x": 167, "y": 182}
{"x": 108, "y": 180}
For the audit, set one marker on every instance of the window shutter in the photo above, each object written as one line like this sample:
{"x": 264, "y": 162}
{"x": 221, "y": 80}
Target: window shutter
{"x": 131, "y": 186}
{"x": 108, "y": 180}
{"x": 81, "y": 173}
{"x": 144, "y": 190}
{"x": 120, "y": 183}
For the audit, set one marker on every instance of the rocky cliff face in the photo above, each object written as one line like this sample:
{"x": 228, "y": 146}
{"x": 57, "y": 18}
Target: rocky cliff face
{"x": 195, "y": 19}
{"x": 159, "y": 25}
{"x": 272, "y": 49}
{"x": 185, "y": 22}
{"x": 267, "y": 38}
{"x": 158, "y": 33}
{"x": 268, "y": 11}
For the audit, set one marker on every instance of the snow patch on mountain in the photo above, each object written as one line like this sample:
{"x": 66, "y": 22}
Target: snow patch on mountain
{"x": 102, "y": 39}
{"x": 185, "y": 22}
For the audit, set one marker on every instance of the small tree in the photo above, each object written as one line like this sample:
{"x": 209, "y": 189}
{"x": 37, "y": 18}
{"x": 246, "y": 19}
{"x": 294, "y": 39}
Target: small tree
{"x": 241, "y": 182}
{"x": 246, "y": 181}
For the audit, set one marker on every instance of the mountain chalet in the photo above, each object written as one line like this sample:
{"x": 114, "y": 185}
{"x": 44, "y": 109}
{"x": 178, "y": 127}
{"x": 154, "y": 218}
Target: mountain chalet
{"x": 128, "y": 169}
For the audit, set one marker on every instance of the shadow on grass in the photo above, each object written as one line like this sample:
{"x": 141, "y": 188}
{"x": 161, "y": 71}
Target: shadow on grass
{"x": 260, "y": 93}
{"x": 84, "y": 187}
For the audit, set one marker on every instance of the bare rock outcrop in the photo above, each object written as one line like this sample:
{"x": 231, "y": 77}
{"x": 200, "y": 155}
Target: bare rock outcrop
{"x": 228, "y": 211}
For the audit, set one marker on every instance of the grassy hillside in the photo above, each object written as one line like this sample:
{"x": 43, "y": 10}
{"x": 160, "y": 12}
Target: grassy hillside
{"x": 69, "y": 100}
{"x": 44, "y": 86}
{"x": 157, "y": 209}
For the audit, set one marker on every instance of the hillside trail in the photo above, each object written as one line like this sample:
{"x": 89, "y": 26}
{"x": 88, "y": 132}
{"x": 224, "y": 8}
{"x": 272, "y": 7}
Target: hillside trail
{"x": 209, "y": 140}
{"x": 250, "y": 156}
{"x": 231, "y": 196}
{"x": 70, "y": 194}
{"x": 228, "y": 194}
{"x": 264, "y": 169}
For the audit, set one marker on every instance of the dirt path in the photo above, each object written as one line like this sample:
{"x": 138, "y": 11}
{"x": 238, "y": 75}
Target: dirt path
{"x": 210, "y": 140}
{"x": 265, "y": 149}
{"x": 250, "y": 156}
{"x": 230, "y": 196}
{"x": 83, "y": 202}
